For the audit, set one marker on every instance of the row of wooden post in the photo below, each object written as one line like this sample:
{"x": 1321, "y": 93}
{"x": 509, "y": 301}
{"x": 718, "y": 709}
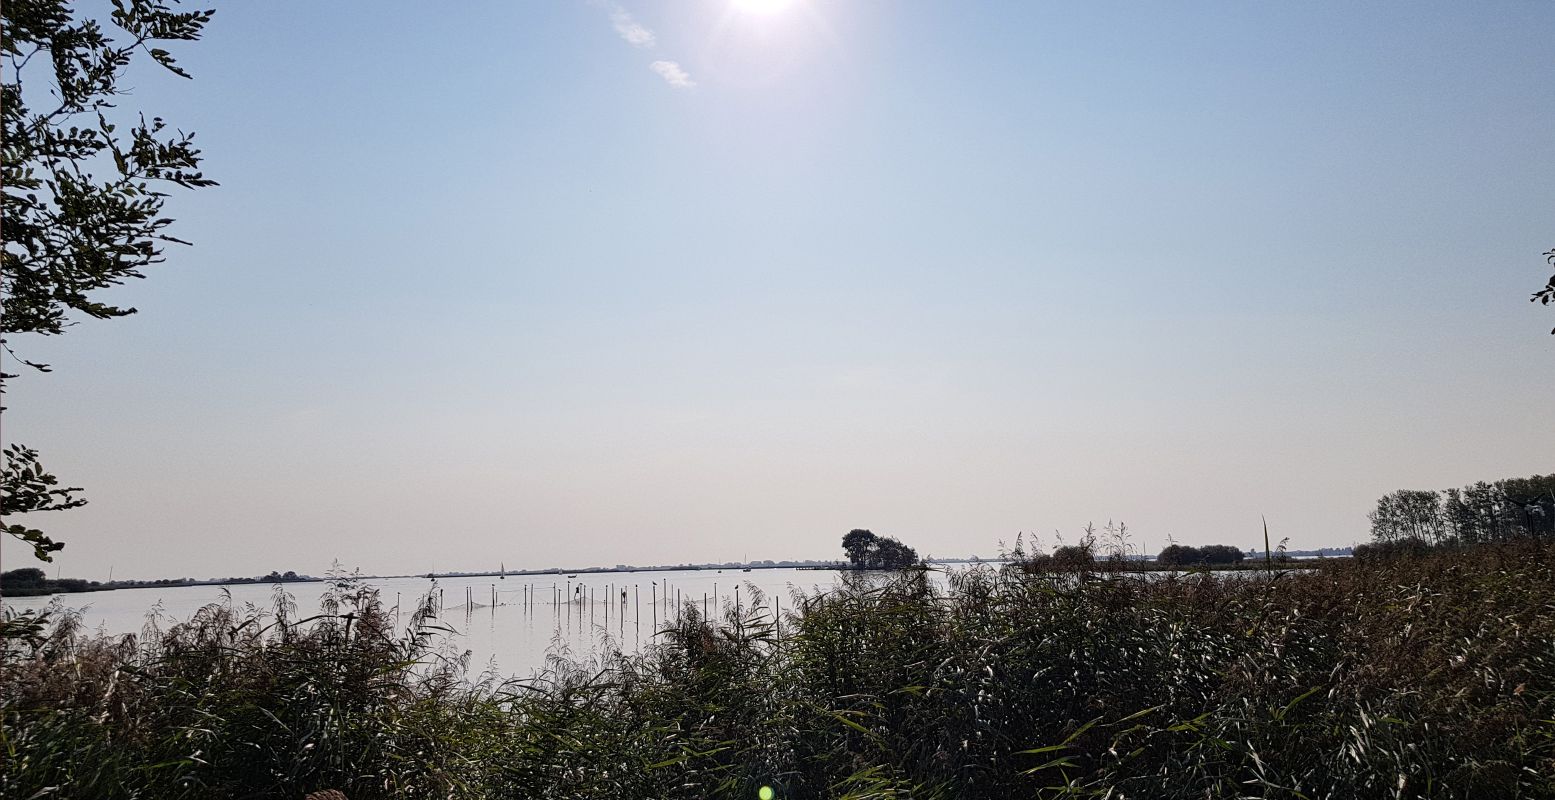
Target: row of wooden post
{"x": 528, "y": 592}
{"x": 557, "y": 592}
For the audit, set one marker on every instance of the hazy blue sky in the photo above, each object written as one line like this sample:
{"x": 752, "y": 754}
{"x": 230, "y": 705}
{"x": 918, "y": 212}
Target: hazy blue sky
{"x": 569, "y": 283}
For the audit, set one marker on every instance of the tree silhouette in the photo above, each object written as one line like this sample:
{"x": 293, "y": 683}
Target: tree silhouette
{"x": 1547, "y": 294}
{"x": 858, "y": 544}
{"x": 1179, "y": 555}
{"x": 82, "y": 197}
{"x": 865, "y": 550}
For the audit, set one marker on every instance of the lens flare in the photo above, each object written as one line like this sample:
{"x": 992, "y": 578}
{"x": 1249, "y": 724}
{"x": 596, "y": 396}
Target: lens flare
{"x": 762, "y": 6}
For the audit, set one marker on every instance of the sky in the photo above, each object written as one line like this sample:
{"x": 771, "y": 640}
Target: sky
{"x": 578, "y": 283}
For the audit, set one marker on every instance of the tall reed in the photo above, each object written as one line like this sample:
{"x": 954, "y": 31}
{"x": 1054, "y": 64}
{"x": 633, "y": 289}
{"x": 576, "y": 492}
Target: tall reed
{"x": 1409, "y": 677}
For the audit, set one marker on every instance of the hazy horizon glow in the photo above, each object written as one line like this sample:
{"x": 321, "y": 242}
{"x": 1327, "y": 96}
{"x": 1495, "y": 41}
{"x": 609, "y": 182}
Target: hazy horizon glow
{"x": 595, "y": 283}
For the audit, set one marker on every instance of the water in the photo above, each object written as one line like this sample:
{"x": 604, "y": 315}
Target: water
{"x": 513, "y": 637}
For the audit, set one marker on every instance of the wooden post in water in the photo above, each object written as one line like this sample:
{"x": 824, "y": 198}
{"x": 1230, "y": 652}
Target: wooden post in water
{"x": 736, "y": 599}
{"x": 654, "y": 603}
{"x": 777, "y": 615}
{"x": 637, "y": 600}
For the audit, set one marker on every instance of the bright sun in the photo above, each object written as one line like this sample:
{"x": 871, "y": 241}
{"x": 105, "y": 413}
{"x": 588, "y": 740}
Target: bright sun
{"x": 762, "y": 6}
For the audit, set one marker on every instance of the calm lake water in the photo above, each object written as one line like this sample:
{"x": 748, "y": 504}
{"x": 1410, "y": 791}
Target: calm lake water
{"x": 510, "y": 637}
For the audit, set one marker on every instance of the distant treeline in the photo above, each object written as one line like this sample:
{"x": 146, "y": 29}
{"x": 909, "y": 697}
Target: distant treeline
{"x": 1110, "y": 547}
{"x": 31, "y": 581}
{"x": 1504, "y": 510}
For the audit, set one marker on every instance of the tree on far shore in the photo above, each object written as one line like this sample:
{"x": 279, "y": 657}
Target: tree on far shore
{"x": 865, "y": 550}
{"x": 858, "y": 543}
{"x": 1179, "y": 555}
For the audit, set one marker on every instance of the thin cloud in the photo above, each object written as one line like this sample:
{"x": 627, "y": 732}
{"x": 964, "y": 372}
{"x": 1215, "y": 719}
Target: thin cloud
{"x": 672, "y": 74}
{"x": 634, "y": 34}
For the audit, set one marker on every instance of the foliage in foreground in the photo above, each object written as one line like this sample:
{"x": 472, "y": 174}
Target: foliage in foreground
{"x": 84, "y": 188}
{"x": 1411, "y": 677}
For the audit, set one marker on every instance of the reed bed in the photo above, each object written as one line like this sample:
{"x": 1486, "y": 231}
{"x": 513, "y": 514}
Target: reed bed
{"x": 1420, "y": 677}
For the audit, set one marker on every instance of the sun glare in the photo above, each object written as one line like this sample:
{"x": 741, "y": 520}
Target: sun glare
{"x": 762, "y": 6}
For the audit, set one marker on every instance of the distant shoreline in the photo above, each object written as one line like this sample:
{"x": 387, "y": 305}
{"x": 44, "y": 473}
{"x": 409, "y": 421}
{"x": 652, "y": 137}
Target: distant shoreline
{"x": 1133, "y": 564}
